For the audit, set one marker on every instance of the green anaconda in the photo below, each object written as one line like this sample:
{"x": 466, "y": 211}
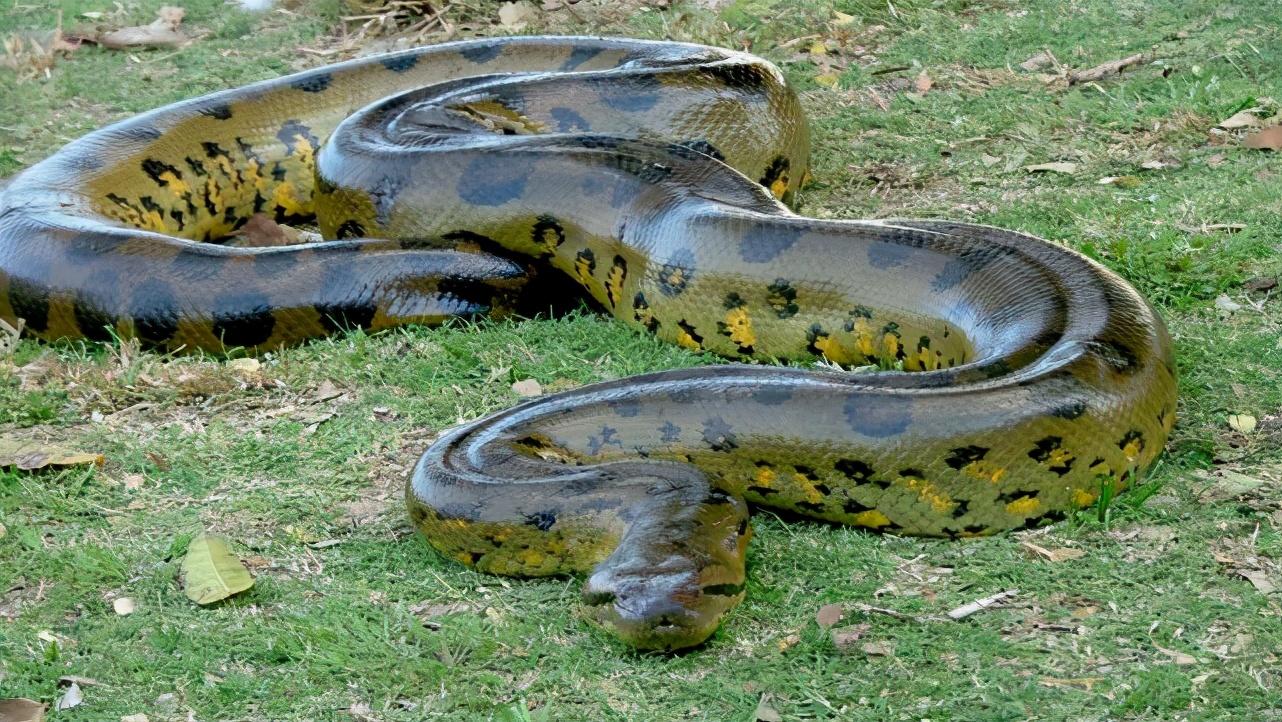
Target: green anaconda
{"x": 654, "y": 176}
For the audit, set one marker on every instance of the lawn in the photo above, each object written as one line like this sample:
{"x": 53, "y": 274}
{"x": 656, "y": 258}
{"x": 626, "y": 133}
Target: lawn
{"x": 1163, "y": 606}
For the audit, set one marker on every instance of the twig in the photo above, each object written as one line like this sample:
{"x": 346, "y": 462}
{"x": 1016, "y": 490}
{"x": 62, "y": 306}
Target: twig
{"x": 1099, "y": 72}
{"x": 981, "y": 604}
{"x": 869, "y": 609}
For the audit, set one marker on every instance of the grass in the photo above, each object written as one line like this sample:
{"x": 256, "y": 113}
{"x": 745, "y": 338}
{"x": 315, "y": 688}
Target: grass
{"x": 1152, "y": 622}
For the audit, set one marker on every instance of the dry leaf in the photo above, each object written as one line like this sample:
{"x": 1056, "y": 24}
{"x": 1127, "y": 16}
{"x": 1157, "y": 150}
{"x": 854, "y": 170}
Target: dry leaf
{"x": 844, "y": 638}
{"x": 528, "y": 388}
{"x": 3, "y": 531}
{"x": 210, "y": 572}
{"x": 1052, "y": 168}
{"x": 1268, "y": 139}
{"x": 878, "y": 649}
{"x": 1249, "y": 118}
{"x": 818, "y": 49}
{"x": 1260, "y": 285}
{"x": 840, "y": 19}
{"x": 989, "y": 160}
{"x": 21, "y": 709}
{"x": 247, "y": 366}
{"x": 29, "y": 455}
{"x": 789, "y": 642}
{"x": 262, "y": 231}
{"x": 124, "y": 606}
{"x": 923, "y": 83}
{"x": 134, "y": 481}
{"x": 326, "y": 392}
{"x": 1082, "y": 683}
{"x": 517, "y": 15}
{"x": 828, "y": 615}
{"x": 766, "y": 713}
{"x": 1244, "y": 423}
{"x": 1054, "y": 555}
{"x": 68, "y": 679}
{"x": 1179, "y": 658}
{"x": 828, "y": 79}
{"x": 140, "y": 717}
{"x": 71, "y": 698}
{"x": 163, "y": 31}
{"x": 1037, "y": 62}
{"x": 1259, "y": 579}
{"x": 1224, "y": 303}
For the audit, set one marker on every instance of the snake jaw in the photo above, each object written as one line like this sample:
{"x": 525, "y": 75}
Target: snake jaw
{"x": 654, "y": 611}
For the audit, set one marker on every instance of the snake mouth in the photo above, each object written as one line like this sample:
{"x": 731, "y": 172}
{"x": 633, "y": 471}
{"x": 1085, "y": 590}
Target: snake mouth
{"x": 663, "y": 612}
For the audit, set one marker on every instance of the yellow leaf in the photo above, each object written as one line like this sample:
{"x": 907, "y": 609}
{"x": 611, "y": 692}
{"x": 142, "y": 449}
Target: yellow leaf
{"x": 827, "y": 79}
{"x": 28, "y": 455}
{"x": 1244, "y": 423}
{"x": 839, "y": 18}
{"x": 818, "y": 49}
{"x": 211, "y": 572}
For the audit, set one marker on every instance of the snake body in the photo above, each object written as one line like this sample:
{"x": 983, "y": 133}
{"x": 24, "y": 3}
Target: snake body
{"x": 654, "y": 176}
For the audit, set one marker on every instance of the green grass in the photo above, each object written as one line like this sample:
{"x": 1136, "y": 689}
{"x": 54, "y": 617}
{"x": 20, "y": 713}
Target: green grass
{"x": 201, "y": 445}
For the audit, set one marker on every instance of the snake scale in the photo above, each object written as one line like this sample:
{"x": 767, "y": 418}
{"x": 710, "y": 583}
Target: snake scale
{"x": 654, "y": 178}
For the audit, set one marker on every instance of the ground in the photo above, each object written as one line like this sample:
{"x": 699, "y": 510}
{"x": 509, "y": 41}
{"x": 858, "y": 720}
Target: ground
{"x": 1159, "y": 607}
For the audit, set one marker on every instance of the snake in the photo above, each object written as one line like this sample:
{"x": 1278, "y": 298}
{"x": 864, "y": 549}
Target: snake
{"x": 1014, "y": 380}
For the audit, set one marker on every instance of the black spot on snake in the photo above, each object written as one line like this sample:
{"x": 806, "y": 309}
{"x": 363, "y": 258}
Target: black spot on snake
{"x": 481, "y": 52}
{"x": 220, "y": 111}
{"x": 777, "y": 170}
{"x": 877, "y": 418}
{"x": 855, "y": 470}
{"x": 814, "y": 507}
{"x": 492, "y": 181}
{"x": 94, "y": 321}
{"x": 568, "y": 121}
{"x": 782, "y": 297}
{"x": 704, "y": 147}
{"x": 850, "y": 506}
{"x": 1049, "y": 517}
{"x": 670, "y": 432}
{"x": 243, "y": 319}
{"x": 156, "y": 170}
{"x": 883, "y": 254}
{"x": 400, "y": 63}
{"x": 579, "y": 56}
{"x": 772, "y": 395}
{"x": 719, "y": 435}
{"x": 30, "y": 302}
{"x": 764, "y": 242}
{"x": 313, "y": 82}
{"x": 675, "y": 275}
{"x": 1070, "y": 410}
{"x": 154, "y": 309}
{"x": 140, "y": 132}
{"x": 1018, "y": 494}
{"x": 289, "y": 133}
{"x": 628, "y": 100}
{"x": 963, "y": 506}
{"x": 350, "y": 230}
{"x": 960, "y": 457}
{"x": 626, "y": 408}
{"x": 738, "y": 76}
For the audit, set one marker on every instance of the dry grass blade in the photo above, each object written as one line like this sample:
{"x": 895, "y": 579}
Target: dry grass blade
{"x": 386, "y": 18}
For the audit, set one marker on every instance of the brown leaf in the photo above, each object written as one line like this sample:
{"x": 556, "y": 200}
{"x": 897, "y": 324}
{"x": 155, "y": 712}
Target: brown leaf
{"x": 844, "y": 638}
{"x": 1052, "y": 168}
{"x": 1054, "y": 555}
{"x": 828, "y": 615}
{"x": 261, "y": 231}
{"x": 1268, "y": 139}
{"x": 1082, "y": 683}
{"x": 1249, "y": 118}
{"x": 1260, "y": 285}
{"x": 766, "y": 713}
{"x": 1178, "y": 657}
{"x": 1259, "y": 579}
{"x": 162, "y": 32}
{"x": 923, "y": 83}
{"x": 527, "y": 388}
{"x": 1037, "y": 62}
{"x": 29, "y": 455}
{"x": 879, "y": 649}
{"x": 21, "y": 709}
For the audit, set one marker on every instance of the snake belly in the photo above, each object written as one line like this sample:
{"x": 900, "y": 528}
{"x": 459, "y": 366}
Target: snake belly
{"x": 1021, "y": 380}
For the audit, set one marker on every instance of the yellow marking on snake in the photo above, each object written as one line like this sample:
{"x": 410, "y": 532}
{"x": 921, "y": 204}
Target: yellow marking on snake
{"x": 436, "y": 208}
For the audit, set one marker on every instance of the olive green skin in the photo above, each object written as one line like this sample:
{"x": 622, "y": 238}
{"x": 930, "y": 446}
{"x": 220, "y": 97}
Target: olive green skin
{"x": 652, "y": 175}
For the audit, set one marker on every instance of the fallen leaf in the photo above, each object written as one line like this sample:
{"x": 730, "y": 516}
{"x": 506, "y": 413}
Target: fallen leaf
{"x": 789, "y": 642}
{"x": 1054, "y": 555}
{"x": 989, "y": 160}
{"x": 923, "y": 83}
{"x": 1037, "y": 62}
{"x": 68, "y": 679}
{"x": 124, "y": 606}
{"x": 828, "y": 615}
{"x": 766, "y": 713}
{"x": 1052, "y": 168}
{"x": 210, "y": 572}
{"x": 1083, "y": 683}
{"x": 327, "y": 391}
{"x": 71, "y": 698}
{"x": 163, "y": 31}
{"x": 828, "y": 79}
{"x": 1156, "y": 165}
{"x": 1245, "y": 423}
{"x": 134, "y": 481}
{"x": 246, "y": 366}
{"x": 818, "y": 49}
{"x": 844, "y": 638}
{"x": 1224, "y": 303}
{"x": 140, "y": 717}
{"x": 1260, "y": 285}
{"x": 30, "y": 455}
{"x": 1268, "y": 139}
{"x": 878, "y": 649}
{"x": 516, "y": 15}
{"x": 839, "y": 18}
{"x": 263, "y": 231}
{"x": 1258, "y": 579}
{"x": 1121, "y": 181}
{"x": 21, "y": 709}
{"x": 3, "y": 531}
{"x": 1178, "y": 657}
{"x": 1249, "y": 118}
{"x": 528, "y": 388}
